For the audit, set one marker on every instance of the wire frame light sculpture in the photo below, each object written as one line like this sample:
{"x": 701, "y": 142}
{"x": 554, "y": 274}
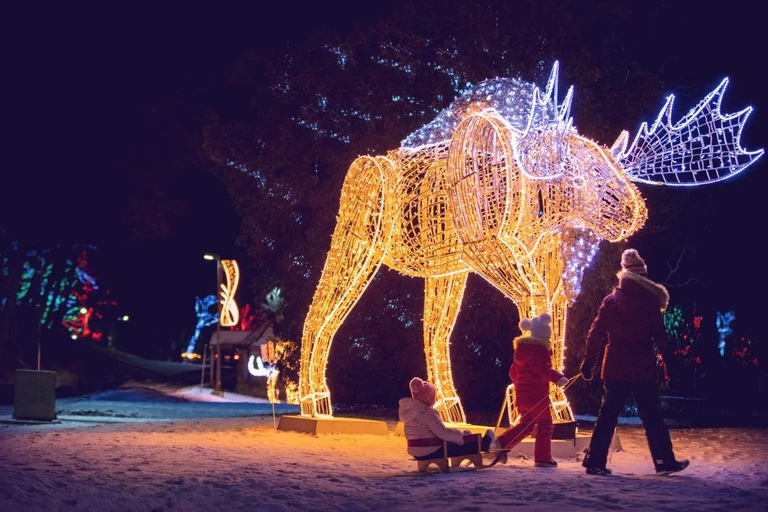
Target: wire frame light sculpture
{"x": 500, "y": 184}
{"x": 230, "y": 314}
{"x": 205, "y": 317}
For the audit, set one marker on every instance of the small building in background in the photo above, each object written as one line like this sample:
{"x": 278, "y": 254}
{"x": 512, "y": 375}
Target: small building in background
{"x": 237, "y": 348}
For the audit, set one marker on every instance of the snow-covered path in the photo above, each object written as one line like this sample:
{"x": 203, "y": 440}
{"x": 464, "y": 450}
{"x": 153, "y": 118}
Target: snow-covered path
{"x": 242, "y": 464}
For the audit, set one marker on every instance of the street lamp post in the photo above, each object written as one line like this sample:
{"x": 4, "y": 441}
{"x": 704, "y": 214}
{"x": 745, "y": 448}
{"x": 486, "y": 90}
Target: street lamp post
{"x": 217, "y": 360}
{"x": 38, "y": 305}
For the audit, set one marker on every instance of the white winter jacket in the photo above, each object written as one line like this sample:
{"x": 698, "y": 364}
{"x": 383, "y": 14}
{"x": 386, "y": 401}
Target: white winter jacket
{"x": 423, "y": 422}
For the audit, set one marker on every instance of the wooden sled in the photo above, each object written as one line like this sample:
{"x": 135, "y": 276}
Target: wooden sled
{"x": 475, "y": 459}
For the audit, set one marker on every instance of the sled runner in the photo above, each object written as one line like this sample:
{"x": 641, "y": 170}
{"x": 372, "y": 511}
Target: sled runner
{"x": 475, "y": 459}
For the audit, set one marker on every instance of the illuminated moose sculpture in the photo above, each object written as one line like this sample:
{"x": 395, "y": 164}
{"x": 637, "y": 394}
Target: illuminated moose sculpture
{"x": 501, "y": 184}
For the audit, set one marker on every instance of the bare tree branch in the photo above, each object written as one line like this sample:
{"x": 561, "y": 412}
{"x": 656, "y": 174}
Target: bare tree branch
{"x": 674, "y": 269}
{"x": 689, "y": 281}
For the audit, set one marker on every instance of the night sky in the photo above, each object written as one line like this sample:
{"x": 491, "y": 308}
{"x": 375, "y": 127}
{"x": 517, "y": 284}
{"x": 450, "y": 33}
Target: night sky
{"x": 103, "y": 107}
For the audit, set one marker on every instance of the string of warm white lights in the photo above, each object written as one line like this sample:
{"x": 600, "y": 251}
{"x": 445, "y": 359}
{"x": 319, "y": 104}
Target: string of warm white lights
{"x": 265, "y": 365}
{"x": 500, "y": 184}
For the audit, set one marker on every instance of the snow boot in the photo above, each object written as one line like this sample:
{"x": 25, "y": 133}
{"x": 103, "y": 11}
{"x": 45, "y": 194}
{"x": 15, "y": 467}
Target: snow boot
{"x": 598, "y": 471}
{"x": 497, "y": 450}
{"x": 545, "y": 464}
{"x": 672, "y": 467}
{"x": 489, "y": 441}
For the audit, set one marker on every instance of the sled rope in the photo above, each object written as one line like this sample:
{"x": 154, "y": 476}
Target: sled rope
{"x": 567, "y": 385}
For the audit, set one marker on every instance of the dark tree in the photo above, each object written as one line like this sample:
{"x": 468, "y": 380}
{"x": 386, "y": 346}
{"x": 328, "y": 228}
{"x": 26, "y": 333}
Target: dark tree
{"x": 295, "y": 119}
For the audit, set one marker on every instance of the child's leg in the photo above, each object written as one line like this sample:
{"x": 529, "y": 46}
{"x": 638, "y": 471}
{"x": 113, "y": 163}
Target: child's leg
{"x": 438, "y": 453}
{"x": 468, "y": 448}
{"x": 513, "y": 436}
{"x": 485, "y": 442}
{"x": 544, "y": 428}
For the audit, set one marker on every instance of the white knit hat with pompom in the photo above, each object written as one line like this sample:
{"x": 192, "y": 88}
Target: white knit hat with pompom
{"x": 539, "y": 326}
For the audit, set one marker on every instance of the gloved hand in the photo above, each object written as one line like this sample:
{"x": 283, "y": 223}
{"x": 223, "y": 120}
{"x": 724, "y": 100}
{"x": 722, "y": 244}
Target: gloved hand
{"x": 562, "y": 381}
{"x": 586, "y": 370}
{"x": 664, "y": 375}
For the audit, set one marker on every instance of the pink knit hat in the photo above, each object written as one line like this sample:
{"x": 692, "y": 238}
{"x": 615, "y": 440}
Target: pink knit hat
{"x": 423, "y": 391}
{"x": 632, "y": 262}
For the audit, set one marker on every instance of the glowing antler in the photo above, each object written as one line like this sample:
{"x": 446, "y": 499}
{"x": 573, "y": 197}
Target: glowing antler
{"x": 704, "y": 147}
{"x": 545, "y": 108}
{"x": 549, "y": 126}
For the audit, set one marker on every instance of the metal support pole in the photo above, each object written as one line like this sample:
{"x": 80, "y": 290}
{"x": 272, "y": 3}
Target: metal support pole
{"x": 39, "y": 311}
{"x": 217, "y": 389}
{"x": 211, "y": 366}
{"x": 202, "y": 370}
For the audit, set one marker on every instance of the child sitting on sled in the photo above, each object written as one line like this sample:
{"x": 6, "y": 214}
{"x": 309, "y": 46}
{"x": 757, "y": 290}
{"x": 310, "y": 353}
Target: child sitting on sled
{"x": 426, "y": 432}
{"x": 531, "y": 373}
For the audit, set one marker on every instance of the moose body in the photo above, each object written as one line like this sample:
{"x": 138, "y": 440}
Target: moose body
{"x": 498, "y": 184}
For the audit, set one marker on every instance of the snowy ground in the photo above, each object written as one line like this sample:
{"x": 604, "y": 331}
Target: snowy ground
{"x": 243, "y": 464}
{"x": 157, "y": 403}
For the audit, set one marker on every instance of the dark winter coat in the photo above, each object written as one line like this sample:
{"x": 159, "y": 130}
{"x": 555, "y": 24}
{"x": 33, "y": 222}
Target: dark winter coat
{"x": 532, "y": 371}
{"x": 628, "y": 324}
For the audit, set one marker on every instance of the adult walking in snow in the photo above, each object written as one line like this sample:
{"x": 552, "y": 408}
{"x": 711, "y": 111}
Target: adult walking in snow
{"x": 628, "y": 324}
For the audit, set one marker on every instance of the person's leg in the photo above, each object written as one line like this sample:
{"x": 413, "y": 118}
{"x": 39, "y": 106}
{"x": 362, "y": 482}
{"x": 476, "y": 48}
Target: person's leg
{"x": 544, "y": 429}
{"x": 437, "y": 454}
{"x": 613, "y": 402}
{"x": 513, "y": 436}
{"x": 485, "y": 442}
{"x": 468, "y": 448}
{"x": 655, "y": 430}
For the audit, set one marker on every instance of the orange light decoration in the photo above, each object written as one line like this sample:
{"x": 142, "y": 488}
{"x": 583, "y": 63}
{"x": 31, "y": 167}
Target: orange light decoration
{"x": 499, "y": 184}
{"x": 265, "y": 365}
{"x": 292, "y": 393}
{"x": 272, "y": 389}
{"x": 257, "y": 368}
{"x": 230, "y": 314}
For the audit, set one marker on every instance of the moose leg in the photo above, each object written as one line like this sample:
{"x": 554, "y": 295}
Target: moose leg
{"x": 442, "y": 300}
{"x": 357, "y": 249}
{"x": 561, "y": 409}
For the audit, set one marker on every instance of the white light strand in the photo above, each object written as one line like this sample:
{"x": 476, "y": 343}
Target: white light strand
{"x": 704, "y": 147}
{"x": 259, "y": 369}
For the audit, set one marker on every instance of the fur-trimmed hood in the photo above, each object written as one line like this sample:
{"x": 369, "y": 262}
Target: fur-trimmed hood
{"x": 410, "y": 409}
{"x": 531, "y": 370}
{"x": 656, "y": 289}
{"x": 530, "y": 340}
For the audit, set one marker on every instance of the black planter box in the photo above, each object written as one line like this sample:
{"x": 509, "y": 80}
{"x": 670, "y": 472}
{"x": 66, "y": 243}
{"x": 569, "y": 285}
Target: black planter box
{"x": 34, "y": 396}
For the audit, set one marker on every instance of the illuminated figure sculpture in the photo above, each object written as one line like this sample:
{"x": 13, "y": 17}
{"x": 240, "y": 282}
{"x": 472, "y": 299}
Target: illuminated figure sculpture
{"x": 230, "y": 315}
{"x": 501, "y": 184}
{"x": 205, "y": 317}
{"x": 724, "y": 329}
